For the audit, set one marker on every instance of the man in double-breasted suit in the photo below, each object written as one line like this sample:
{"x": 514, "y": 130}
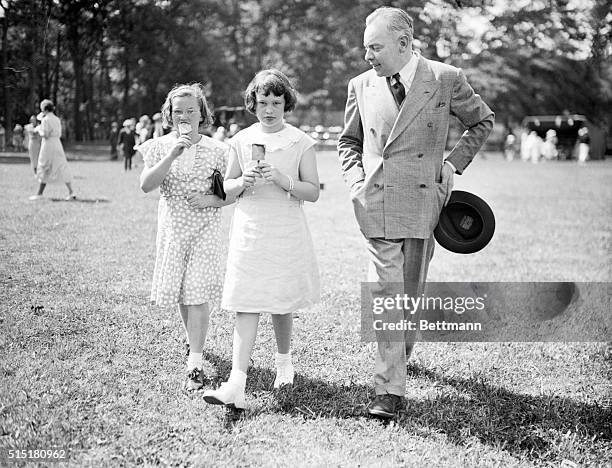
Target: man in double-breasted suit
{"x": 391, "y": 152}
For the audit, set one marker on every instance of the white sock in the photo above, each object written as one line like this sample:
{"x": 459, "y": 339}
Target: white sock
{"x": 283, "y": 360}
{"x": 194, "y": 360}
{"x": 238, "y": 378}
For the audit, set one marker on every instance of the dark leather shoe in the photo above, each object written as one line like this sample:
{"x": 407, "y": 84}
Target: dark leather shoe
{"x": 385, "y": 406}
{"x": 195, "y": 380}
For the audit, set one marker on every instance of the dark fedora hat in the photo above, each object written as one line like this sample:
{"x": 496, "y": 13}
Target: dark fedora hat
{"x": 466, "y": 223}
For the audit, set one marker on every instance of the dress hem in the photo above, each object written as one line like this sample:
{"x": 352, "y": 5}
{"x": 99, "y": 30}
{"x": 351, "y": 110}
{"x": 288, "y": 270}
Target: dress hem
{"x": 251, "y": 310}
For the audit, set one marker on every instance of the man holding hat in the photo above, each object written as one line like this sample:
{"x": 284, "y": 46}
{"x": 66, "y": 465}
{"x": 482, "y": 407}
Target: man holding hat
{"x": 391, "y": 152}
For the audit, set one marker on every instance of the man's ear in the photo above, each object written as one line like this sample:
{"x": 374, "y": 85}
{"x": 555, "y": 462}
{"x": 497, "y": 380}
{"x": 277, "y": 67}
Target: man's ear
{"x": 404, "y": 43}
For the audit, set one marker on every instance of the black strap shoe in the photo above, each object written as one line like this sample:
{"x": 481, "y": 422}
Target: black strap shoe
{"x": 195, "y": 380}
{"x": 385, "y": 406}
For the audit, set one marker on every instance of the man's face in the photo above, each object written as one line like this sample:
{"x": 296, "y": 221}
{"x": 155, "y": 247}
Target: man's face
{"x": 383, "y": 48}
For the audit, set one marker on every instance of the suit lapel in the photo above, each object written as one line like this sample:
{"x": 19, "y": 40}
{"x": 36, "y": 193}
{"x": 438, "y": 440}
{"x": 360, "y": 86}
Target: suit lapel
{"x": 423, "y": 88}
{"x": 381, "y": 100}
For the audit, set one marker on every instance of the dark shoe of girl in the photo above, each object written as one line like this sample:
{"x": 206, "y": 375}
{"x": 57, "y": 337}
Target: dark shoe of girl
{"x": 195, "y": 380}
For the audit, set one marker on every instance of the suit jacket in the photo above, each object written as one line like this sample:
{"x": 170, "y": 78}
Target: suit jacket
{"x": 392, "y": 158}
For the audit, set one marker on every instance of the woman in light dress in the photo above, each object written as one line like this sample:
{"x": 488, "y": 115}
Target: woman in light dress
{"x": 52, "y": 166}
{"x": 33, "y": 141}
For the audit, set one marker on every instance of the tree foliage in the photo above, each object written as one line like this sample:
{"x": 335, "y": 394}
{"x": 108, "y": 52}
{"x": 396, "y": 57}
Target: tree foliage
{"x": 104, "y": 60}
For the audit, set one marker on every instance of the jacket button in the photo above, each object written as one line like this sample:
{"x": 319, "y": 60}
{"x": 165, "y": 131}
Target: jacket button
{"x": 385, "y": 156}
{"x": 423, "y": 186}
{"x": 420, "y": 155}
{"x": 430, "y": 124}
{"x": 376, "y": 185}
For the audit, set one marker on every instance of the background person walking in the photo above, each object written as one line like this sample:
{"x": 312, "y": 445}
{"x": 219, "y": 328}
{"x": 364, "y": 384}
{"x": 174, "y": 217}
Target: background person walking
{"x": 52, "y": 165}
{"x": 33, "y": 141}
{"x": 583, "y": 145}
{"x": 127, "y": 143}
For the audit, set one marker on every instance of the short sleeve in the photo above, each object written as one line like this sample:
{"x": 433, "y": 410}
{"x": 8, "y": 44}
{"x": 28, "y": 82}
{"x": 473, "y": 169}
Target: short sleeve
{"x": 307, "y": 142}
{"x": 235, "y": 146}
{"x": 223, "y": 158}
{"x": 152, "y": 152}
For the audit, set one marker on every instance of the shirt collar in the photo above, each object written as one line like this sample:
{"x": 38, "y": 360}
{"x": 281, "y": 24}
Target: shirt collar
{"x": 408, "y": 70}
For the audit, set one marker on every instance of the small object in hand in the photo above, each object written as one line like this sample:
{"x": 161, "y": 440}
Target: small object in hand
{"x": 258, "y": 152}
{"x": 217, "y": 184}
{"x": 184, "y": 128}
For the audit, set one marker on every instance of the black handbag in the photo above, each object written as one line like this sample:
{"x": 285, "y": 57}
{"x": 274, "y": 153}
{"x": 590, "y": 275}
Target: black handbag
{"x": 217, "y": 184}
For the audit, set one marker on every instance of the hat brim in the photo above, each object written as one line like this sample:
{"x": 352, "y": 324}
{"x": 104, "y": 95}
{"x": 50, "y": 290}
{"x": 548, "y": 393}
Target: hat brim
{"x": 466, "y": 224}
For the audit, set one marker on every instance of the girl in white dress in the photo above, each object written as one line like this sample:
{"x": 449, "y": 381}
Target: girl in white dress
{"x": 271, "y": 267}
{"x": 187, "y": 264}
{"x": 52, "y": 166}
{"x": 33, "y": 141}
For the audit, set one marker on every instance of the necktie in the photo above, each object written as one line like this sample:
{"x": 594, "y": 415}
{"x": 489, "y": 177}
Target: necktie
{"x": 397, "y": 88}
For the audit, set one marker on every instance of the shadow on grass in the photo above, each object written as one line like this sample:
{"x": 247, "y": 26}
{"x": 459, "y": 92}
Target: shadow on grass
{"x": 82, "y": 200}
{"x": 523, "y": 425}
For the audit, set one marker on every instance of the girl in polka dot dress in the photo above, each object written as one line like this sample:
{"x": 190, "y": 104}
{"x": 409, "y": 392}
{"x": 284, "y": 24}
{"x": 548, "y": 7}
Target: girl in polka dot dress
{"x": 187, "y": 264}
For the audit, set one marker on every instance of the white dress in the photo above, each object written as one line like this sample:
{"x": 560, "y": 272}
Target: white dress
{"x": 271, "y": 266}
{"x": 33, "y": 141}
{"x": 52, "y": 164}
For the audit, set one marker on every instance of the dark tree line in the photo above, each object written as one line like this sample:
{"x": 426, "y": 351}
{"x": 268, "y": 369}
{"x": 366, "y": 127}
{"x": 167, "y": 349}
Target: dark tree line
{"x": 103, "y": 60}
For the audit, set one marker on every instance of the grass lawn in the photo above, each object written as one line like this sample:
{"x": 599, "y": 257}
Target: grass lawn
{"x": 88, "y": 365}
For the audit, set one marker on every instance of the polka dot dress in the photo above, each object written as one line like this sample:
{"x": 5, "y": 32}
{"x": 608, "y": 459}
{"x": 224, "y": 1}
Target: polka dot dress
{"x": 187, "y": 264}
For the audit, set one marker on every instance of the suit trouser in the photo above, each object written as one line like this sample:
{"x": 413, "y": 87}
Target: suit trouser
{"x": 394, "y": 269}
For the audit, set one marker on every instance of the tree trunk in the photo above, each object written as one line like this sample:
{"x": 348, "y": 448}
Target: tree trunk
{"x": 33, "y": 73}
{"x": 57, "y": 67}
{"x": 76, "y": 54}
{"x": 8, "y": 117}
{"x": 90, "y": 110}
{"x": 126, "y": 85}
{"x": 105, "y": 88}
{"x": 45, "y": 85}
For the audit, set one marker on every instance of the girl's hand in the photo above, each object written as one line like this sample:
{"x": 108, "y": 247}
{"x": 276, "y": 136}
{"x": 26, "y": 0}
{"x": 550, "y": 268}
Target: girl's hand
{"x": 201, "y": 201}
{"x": 249, "y": 175}
{"x": 183, "y": 141}
{"x": 270, "y": 173}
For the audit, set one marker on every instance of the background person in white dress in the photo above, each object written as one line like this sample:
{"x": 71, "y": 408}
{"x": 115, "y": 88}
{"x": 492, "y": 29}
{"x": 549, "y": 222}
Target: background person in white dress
{"x": 33, "y": 140}
{"x": 52, "y": 166}
{"x": 271, "y": 266}
{"x": 549, "y": 146}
